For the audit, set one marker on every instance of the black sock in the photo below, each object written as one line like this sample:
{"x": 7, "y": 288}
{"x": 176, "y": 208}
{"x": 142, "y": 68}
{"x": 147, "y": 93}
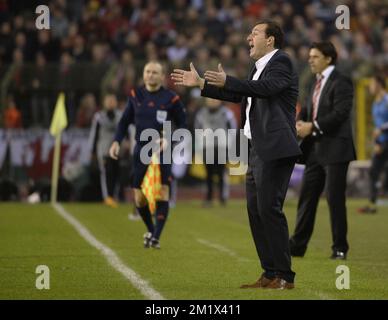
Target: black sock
{"x": 146, "y": 216}
{"x": 161, "y": 217}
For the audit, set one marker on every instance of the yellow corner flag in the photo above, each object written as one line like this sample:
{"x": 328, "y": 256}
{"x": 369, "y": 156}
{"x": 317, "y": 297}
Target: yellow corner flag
{"x": 59, "y": 121}
{"x": 152, "y": 183}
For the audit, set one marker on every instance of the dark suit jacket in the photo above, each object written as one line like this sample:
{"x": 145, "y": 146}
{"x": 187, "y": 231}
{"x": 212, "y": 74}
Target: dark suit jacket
{"x": 272, "y": 115}
{"x": 333, "y": 143}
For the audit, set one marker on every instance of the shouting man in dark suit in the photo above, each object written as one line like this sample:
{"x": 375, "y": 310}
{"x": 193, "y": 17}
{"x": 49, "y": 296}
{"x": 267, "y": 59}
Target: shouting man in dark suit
{"x": 327, "y": 146}
{"x": 268, "y": 98}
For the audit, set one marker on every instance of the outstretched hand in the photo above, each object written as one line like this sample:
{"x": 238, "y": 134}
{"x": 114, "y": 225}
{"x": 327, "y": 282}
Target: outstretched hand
{"x": 187, "y": 78}
{"x": 215, "y": 78}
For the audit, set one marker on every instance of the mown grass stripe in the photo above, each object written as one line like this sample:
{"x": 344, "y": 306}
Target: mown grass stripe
{"x": 142, "y": 285}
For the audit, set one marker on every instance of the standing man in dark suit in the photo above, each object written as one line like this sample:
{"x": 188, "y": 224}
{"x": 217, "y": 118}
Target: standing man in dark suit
{"x": 327, "y": 146}
{"x": 268, "y": 98}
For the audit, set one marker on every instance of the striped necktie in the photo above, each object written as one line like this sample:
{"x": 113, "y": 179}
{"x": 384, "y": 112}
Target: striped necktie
{"x": 317, "y": 90}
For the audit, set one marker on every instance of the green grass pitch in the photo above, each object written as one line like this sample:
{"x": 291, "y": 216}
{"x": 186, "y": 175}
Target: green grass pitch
{"x": 206, "y": 254}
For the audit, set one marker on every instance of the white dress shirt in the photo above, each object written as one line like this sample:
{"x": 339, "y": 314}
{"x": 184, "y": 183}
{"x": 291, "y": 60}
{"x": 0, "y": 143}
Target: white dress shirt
{"x": 326, "y": 74}
{"x": 260, "y": 65}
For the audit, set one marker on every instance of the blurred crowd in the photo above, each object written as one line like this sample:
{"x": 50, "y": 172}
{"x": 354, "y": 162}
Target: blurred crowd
{"x": 97, "y": 46}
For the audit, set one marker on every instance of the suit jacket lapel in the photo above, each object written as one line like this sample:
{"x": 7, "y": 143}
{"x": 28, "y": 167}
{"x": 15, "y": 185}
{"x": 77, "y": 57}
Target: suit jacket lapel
{"x": 250, "y": 76}
{"x": 269, "y": 63}
{"x": 326, "y": 87}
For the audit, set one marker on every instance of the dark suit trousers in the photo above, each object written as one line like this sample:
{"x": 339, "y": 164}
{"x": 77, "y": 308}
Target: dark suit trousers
{"x": 377, "y": 166}
{"x": 314, "y": 179}
{"x": 266, "y": 187}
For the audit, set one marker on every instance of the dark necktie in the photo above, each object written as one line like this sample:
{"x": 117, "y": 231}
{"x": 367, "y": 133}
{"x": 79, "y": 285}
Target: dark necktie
{"x": 252, "y": 73}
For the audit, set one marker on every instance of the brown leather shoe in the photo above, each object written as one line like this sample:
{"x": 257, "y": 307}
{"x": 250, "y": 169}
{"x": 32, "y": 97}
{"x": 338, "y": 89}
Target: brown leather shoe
{"x": 280, "y": 284}
{"x": 263, "y": 282}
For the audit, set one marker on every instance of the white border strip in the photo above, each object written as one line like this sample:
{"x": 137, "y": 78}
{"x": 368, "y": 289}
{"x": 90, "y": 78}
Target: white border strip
{"x": 112, "y": 258}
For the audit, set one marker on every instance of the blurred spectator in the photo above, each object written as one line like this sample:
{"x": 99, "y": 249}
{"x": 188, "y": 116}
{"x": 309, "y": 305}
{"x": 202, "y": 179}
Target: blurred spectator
{"x": 12, "y": 116}
{"x": 216, "y": 28}
{"x": 377, "y": 89}
{"x": 16, "y": 77}
{"x": 49, "y": 46}
{"x": 112, "y": 19}
{"x": 121, "y": 76}
{"x": 59, "y": 23}
{"x": 86, "y": 111}
{"x": 66, "y": 81}
{"x": 133, "y": 44}
{"x": 38, "y": 83}
{"x": 79, "y": 51}
{"x": 254, "y": 8}
{"x": 215, "y": 116}
{"x": 164, "y": 33}
{"x": 101, "y": 136}
{"x": 178, "y": 51}
{"x": 21, "y": 42}
{"x": 6, "y": 41}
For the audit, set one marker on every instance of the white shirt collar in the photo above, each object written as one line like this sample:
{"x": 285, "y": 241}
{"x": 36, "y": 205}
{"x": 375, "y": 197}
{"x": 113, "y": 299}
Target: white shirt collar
{"x": 327, "y": 72}
{"x": 264, "y": 59}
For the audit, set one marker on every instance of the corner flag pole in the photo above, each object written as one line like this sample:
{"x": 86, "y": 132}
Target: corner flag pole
{"x": 58, "y": 123}
{"x": 55, "y": 171}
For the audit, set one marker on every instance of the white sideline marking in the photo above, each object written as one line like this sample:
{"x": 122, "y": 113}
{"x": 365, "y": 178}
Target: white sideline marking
{"x": 221, "y": 249}
{"x": 139, "y": 283}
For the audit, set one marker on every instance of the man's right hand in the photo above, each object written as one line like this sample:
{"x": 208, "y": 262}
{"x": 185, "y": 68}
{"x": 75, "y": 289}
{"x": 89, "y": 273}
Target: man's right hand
{"x": 114, "y": 150}
{"x": 188, "y": 78}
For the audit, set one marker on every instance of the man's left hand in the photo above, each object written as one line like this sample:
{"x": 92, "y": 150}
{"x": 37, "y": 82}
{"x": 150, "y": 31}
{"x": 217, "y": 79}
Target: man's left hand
{"x": 304, "y": 129}
{"x": 216, "y": 78}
